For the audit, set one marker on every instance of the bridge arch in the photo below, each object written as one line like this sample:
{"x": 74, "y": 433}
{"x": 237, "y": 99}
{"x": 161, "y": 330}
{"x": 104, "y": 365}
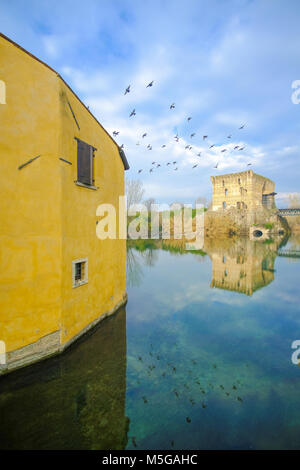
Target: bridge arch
{"x": 257, "y": 233}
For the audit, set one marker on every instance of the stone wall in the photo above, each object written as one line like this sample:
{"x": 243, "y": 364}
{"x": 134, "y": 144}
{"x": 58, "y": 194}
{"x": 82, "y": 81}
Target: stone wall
{"x": 239, "y": 222}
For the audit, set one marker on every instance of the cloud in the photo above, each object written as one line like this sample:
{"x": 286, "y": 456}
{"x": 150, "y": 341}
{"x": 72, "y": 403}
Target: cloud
{"x": 223, "y": 63}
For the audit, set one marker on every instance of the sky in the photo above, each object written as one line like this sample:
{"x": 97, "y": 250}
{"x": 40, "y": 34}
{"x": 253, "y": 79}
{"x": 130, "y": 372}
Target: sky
{"x": 224, "y": 63}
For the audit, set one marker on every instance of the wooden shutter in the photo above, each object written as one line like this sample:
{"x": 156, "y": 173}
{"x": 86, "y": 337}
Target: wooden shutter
{"x": 84, "y": 162}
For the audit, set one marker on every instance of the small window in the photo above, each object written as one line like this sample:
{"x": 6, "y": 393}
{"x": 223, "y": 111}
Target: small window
{"x": 224, "y": 205}
{"x": 79, "y": 272}
{"x": 226, "y": 192}
{"x": 223, "y": 183}
{"x": 85, "y": 167}
{"x": 239, "y": 180}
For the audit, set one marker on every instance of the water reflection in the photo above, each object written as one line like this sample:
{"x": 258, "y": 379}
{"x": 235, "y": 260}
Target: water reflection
{"x": 209, "y": 368}
{"x": 238, "y": 264}
{"x": 72, "y": 401}
{"x": 193, "y": 367}
{"x": 241, "y": 265}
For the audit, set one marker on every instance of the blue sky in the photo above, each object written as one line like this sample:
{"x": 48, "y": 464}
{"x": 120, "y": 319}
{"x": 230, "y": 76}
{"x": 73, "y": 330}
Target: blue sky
{"x": 224, "y": 63}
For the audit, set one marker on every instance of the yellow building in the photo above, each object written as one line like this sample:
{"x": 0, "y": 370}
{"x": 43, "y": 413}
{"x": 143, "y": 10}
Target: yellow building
{"x": 244, "y": 190}
{"x": 58, "y": 164}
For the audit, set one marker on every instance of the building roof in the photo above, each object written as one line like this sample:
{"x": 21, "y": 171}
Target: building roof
{"x": 121, "y": 152}
{"x": 241, "y": 173}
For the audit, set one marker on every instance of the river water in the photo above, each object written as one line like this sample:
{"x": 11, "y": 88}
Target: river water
{"x": 201, "y": 357}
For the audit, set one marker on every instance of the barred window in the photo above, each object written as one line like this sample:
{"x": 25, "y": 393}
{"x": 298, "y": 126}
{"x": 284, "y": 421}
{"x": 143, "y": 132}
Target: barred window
{"x": 79, "y": 272}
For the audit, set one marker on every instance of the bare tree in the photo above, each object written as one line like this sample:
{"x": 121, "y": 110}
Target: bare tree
{"x": 134, "y": 191}
{"x": 148, "y": 203}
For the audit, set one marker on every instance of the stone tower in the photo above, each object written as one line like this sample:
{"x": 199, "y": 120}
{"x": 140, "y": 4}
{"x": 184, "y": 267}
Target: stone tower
{"x": 244, "y": 190}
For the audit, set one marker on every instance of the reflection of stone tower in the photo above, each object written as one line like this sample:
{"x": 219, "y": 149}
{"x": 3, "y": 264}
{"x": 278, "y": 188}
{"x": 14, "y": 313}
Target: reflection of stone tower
{"x": 72, "y": 401}
{"x": 241, "y": 265}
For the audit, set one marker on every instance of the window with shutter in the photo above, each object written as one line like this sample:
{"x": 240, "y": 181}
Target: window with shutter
{"x": 84, "y": 163}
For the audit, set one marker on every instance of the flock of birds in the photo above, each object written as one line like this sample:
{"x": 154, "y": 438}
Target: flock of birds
{"x": 174, "y": 164}
{"x": 190, "y": 384}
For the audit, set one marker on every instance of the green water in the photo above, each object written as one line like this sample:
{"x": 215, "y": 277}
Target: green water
{"x": 200, "y": 359}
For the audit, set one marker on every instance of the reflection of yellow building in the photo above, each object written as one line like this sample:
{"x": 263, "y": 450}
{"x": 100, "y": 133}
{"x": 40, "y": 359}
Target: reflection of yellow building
{"x": 58, "y": 165}
{"x": 241, "y": 265}
{"x": 76, "y": 402}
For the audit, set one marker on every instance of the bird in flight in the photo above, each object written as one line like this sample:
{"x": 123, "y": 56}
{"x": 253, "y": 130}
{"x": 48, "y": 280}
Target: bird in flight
{"x": 236, "y": 147}
{"x": 212, "y": 146}
{"x": 158, "y": 165}
{"x": 189, "y": 118}
{"x": 133, "y": 113}
{"x": 115, "y": 133}
{"x": 199, "y": 154}
{"x": 140, "y": 171}
{"x": 127, "y": 90}
{"x": 241, "y": 148}
{"x": 195, "y": 166}
{"x": 149, "y": 147}
{"x": 150, "y": 84}
{"x": 163, "y": 146}
{"x": 224, "y": 150}
{"x": 187, "y": 147}
{"x": 144, "y": 135}
{"x": 137, "y": 143}
{"x": 168, "y": 163}
{"x": 192, "y": 135}
{"x": 175, "y": 169}
{"x": 174, "y": 163}
{"x": 242, "y": 127}
{"x": 172, "y": 106}
{"x": 229, "y": 136}
{"x": 151, "y": 169}
{"x": 122, "y": 146}
{"x": 205, "y": 137}
{"x": 249, "y": 164}
{"x": 153, "y": 163}
{"x": 216, "y": 165}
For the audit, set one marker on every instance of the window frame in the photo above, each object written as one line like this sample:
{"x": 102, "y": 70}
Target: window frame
{"x": 85, "y": 279}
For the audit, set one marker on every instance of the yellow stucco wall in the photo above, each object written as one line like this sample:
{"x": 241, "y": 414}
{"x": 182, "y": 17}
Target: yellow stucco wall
{"x": 106, "y": 258}
{"x": 30, "y": 248}
{"x": 46, "y": 219}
